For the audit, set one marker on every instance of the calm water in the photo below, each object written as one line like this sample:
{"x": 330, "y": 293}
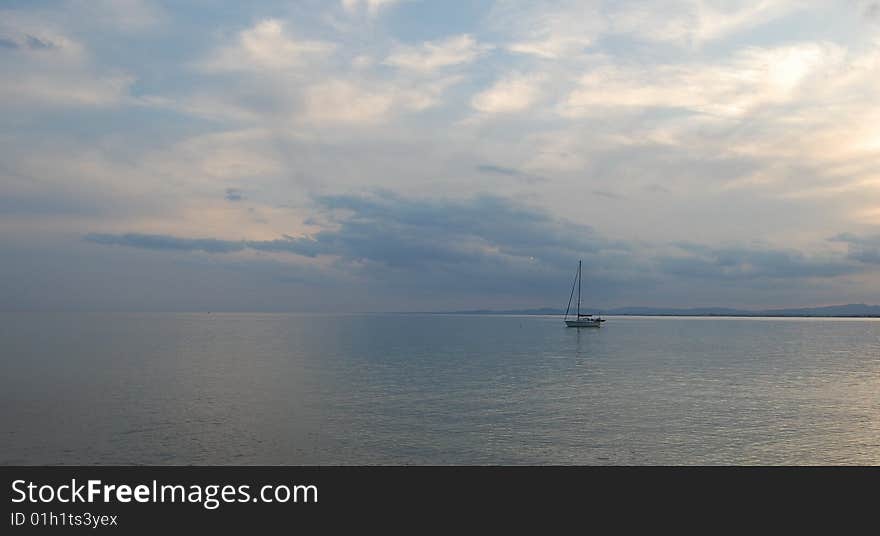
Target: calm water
{"x": 393, "y": 389}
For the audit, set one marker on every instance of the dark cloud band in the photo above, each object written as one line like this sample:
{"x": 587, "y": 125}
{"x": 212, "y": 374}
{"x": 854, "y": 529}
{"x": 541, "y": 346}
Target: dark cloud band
{"x": 469, "y": 237}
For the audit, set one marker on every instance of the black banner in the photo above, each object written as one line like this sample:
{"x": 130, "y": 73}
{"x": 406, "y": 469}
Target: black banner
{"x": 134, "y": 500}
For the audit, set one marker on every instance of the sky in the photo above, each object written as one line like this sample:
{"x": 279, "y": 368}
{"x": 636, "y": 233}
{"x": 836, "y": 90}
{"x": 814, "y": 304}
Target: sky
{"x": 405, "y": 155}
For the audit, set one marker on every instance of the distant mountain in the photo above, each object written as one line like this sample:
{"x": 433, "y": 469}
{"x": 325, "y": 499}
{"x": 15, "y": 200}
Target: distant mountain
{"x": 849, "y": 310}
{"x": 852, "y": 309}
{"x": 541, "y": 311}
{"x": 696, "y": 311}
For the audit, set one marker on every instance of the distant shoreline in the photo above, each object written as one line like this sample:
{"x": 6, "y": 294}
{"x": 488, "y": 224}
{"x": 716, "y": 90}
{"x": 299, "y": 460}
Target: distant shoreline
{"x": 512, "y": 313}
{"x": 750, "y": 316}
{"x": 858, "y": 310}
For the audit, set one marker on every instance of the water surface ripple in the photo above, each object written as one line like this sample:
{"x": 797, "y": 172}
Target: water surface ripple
{"x": 167, "y": 388}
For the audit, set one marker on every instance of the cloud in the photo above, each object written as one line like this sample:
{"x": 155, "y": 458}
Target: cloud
{"x": 269, "y": 76}
{"x": 559, "y": 30}
{"x": 39, "y": 44}
{"x": 744, "y": 116}
{"x": 347, "y": 102}
{"x": 548, "y": 30}
{"x": 864, "y": 249}
{"x": 500, "y": 170}
{"x": 387, "y": 229}
{"x": 304, "y": 246}
{"x": 485, "y": 245}
{"x": 606, "y": 193}
{"x": 340, "y": 101}
{"x": 373, "y": 7}
{"x": 490, "y": 242}
{"x": 508, "y": 172}
{"x": 433, "y": 55}
{"x": 752, "y": 77}
{"x": 43, "y": 66}
{"x": 164, "y": 242}
{"x": 488, "y": 245}
{"x": 68, "y": 90}
{"x": 121, "y": 15}
{"x": 41, "y": 41}
{"x": 514, "y": 93}
{"x": 694, "y": 23}
{"x": 234, "y": 194}
{"x": 737, "y": 263}
{"x": 266, "y": 46}
{"x": 551, "y": 47}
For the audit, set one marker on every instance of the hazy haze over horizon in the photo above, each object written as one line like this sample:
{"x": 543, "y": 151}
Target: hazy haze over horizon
{"x": 385, "y": 155}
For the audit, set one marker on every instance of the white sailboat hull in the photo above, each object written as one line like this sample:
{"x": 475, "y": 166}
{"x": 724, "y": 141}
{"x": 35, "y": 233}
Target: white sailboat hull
{"x": 585, "y": 323}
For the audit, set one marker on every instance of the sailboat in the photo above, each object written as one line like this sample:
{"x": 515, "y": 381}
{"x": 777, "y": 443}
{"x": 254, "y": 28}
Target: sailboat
{"x": 581, "y": 320}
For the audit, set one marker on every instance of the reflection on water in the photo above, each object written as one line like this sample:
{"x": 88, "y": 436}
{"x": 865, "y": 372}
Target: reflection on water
{"x": 418, "y": 389}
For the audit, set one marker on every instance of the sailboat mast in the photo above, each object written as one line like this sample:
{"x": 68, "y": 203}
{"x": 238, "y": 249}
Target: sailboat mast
{"x": 579, "y": 289}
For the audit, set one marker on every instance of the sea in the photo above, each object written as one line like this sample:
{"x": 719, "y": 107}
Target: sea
{"x": 433, "y": 389}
